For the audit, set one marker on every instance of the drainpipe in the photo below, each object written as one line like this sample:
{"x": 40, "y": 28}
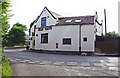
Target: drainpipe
{"x": 80, "y": 38}
{"x": 102, "y": 27}
{"x": 105, "y": 22}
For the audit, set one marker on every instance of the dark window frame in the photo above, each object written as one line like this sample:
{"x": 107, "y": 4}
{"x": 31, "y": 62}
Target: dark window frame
{"x": 66, "y": 41}
{"x": 85, "y": 39}
{"x": 44, "y": 38}
{"x": 43, "y": 21}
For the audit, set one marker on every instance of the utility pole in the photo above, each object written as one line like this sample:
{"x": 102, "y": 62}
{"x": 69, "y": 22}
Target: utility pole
{"x": 105, "y": 22}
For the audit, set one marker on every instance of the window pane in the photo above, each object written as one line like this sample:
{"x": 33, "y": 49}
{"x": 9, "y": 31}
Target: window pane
{"x": 43, "y": 21}
{"x": 85, "y": 39}
{"x": 44, "y": 38}
{"x": 67, "y": 41}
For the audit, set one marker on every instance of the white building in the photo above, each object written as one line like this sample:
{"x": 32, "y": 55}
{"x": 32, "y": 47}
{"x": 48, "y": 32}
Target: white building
{"x": 53, "y": 32}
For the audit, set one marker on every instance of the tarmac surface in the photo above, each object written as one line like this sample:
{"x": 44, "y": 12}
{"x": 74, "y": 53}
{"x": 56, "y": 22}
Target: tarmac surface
{"x": 26, "y": 63}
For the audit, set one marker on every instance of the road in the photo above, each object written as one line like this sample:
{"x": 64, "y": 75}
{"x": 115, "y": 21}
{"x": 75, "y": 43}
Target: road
{"x": 27, "y": 63}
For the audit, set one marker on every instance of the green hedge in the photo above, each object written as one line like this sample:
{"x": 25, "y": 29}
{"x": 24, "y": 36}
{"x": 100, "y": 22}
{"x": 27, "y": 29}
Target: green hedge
{"x": 6, "y": 68}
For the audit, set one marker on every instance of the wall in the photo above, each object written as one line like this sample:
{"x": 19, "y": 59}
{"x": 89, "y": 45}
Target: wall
{"x": 108, "y": 45}
{"x": 98, "y": 30}
{"x": 56, "y": 35}
{"x": 33, "y": 38}
{"x": 87, "y": 31}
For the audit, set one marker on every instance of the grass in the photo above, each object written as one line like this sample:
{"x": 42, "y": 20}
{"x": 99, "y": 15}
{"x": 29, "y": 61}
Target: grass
{"x": 5, "y": 68}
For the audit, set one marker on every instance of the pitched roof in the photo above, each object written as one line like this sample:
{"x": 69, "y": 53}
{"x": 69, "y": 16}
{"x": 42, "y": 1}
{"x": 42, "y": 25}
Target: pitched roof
{"x": 84, "y": 20}
{"x": 55, "y": 14}
{"x": 49, "y": 12}
{"x": 62, "y": 20}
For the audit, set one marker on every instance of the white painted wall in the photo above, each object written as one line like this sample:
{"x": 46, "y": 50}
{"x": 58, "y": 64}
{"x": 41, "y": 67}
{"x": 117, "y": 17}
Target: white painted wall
{"x": 87, "y": 31}
{"x": 33, "y": 38}
{"x": 32, "y": 29}
{"x": 49, "y": 19}
{"x": 99, "y": 29}
{"x": 56, "y": 35}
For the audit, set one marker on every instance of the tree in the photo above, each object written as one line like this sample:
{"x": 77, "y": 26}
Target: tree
{"x": 4, "y": 16}
{"x": 17, "y": 34}
{"x": 5, "y": 70}
{"x": 112, "y": 34}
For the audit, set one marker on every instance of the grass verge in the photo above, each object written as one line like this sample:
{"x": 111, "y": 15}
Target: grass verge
{"x": 5, "y": 67}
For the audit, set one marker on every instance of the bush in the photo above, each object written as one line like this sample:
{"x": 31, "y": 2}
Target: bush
{"x": 5, "y": 68}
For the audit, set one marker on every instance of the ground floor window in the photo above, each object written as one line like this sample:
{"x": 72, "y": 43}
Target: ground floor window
{"x": 66, "y": 41}
{"x": 44, "y": 38}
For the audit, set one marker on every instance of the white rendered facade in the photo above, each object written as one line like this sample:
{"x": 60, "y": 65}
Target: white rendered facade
{"x": 82, "y": 36}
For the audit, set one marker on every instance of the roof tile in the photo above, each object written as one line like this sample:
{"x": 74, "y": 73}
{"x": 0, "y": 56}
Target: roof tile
{"x": 84, "y": 20}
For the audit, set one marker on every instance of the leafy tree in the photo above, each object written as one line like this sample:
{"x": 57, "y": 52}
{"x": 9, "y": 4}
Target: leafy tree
{"x": 4, "y": 16}
{"x": 112, "y": 34}
{"x": 5, "y": 70}
{"x": 17, "y": 34}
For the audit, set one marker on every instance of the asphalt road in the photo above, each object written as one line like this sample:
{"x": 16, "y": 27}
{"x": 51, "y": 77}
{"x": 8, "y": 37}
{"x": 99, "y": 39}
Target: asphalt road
{"x": 26, "y": 63}
{"x": 22, "y": 54}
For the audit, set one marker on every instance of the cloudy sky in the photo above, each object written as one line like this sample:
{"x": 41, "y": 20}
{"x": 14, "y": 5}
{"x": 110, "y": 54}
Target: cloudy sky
{"x": 25, "y": 11}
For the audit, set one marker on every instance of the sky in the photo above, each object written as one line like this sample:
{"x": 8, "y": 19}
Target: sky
{"x": 25, "y": 11}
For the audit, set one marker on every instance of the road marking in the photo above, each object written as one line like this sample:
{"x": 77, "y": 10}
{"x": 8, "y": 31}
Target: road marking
{"x": 71, "y": 63}
{"x": 27, "y": 60}
{"x": 37, "y": 62}
{"x": 42, "y": 63}
{"x": 85, "y": 64}
{"x": 110, "y": 64}
{"x": 98, "y": 64}
{"x": 13, "y": 61}
{"x": 58, "y": 63}
{"x": 22, "y": 61}
{"x": 102, "y": 61}
{"x": 113, "y": 68}
{"x": 17, "y": 59}
{"x": 30, "y": 62}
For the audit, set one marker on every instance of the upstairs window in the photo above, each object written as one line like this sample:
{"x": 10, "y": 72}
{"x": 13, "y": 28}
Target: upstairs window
{"x": 68, "y": 21}
{"x": 85, "y": 39}
{"x": 78, "y": 21}
{"x": 43, "y": 21}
